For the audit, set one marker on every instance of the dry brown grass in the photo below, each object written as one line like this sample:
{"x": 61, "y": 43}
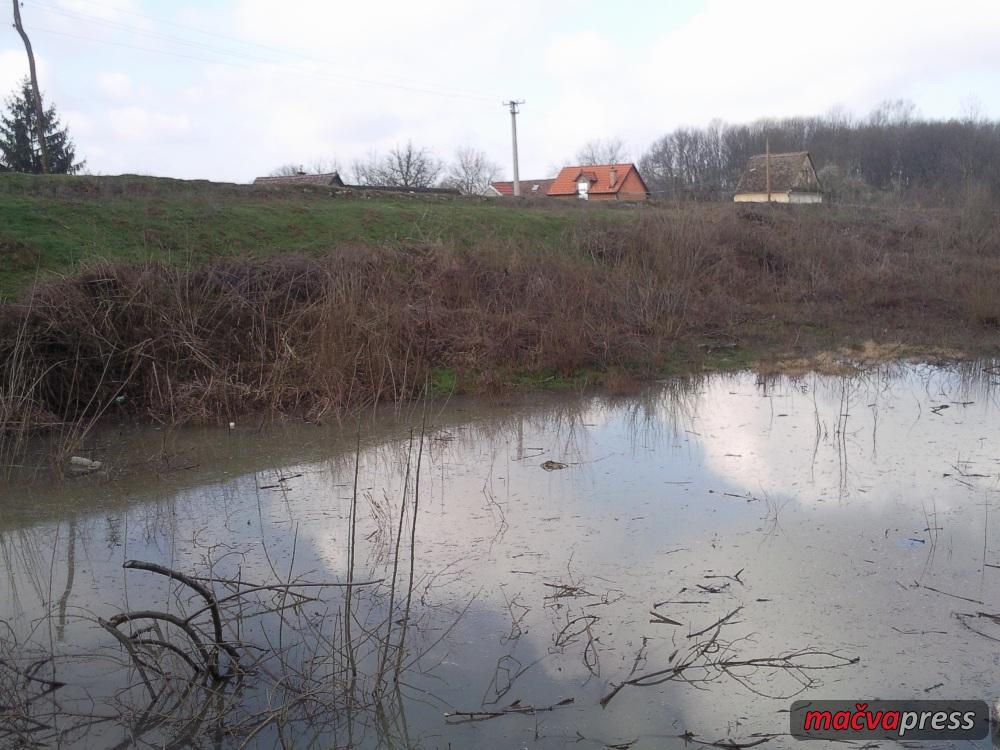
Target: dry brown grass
{"x": 322, "y": 335}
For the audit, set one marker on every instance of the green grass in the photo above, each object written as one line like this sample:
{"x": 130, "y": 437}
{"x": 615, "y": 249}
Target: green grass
{"x": 54, "y": 223}
{"x": 444, "y": 382}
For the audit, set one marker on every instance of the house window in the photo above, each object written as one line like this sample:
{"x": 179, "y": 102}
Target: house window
{"x": 581, "y": 189}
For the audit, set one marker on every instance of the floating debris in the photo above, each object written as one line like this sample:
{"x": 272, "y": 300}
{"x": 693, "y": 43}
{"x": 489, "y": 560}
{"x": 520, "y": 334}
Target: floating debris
{"x": 78, "y": 465}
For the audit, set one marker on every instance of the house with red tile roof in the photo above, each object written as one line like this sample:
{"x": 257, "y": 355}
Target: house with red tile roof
{"x": 528, "y": 188}
{"x": 600, "y": 182}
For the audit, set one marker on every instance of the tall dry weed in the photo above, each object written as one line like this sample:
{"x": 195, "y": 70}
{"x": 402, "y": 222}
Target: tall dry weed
{"x": 360, "y": 325}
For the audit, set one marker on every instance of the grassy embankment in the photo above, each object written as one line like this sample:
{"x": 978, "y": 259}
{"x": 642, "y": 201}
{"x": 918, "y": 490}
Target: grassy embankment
{"x": 56, "y": 223}
{"x": 178, "y": 301}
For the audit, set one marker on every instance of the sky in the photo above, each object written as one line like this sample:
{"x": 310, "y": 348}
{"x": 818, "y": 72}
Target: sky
{"x": 231, "y": 89}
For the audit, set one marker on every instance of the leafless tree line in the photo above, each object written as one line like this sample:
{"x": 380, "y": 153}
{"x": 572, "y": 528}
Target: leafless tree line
{"x": 470, "y": 171}
{"x": 602, "y": 151}
{"x": 893, "y": 149}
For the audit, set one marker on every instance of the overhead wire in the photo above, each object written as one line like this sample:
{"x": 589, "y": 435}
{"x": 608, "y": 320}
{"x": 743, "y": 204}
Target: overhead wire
{"x": 235, "y": 54}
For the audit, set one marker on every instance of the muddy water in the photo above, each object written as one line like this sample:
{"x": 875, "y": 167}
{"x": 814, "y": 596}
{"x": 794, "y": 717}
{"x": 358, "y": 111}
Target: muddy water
{"x": 845, "y": 530}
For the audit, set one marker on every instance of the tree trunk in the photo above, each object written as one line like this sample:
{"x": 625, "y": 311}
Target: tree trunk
{"x": 39, "y": 110}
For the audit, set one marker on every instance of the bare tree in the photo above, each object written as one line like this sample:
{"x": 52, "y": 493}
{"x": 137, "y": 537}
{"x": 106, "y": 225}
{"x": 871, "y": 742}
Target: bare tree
{"x": 287, "y": 170}
{"x": 39, "y": 109}
{"x": 972, "y": 110}
{"x": 323, "y": 166}
{"x": 893, "y": 112}
{"x": 318, "y": 166}
{"x": 892, "y": 149}
{"x": 403, "y": 166}
{"x": 602, "y": 151}
{"x": 472, "y": 172}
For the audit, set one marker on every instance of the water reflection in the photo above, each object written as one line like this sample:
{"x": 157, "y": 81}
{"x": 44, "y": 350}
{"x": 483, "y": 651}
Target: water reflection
{"x": 754, "y": 537}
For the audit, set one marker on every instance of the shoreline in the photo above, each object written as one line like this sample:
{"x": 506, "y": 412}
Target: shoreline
{"x": 562, "y": 297}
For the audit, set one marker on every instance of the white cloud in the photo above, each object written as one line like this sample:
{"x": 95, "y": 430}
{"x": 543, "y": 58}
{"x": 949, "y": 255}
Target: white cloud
{"x": 13, "y": 68}
{"x": 301, "y": 87}
{"x": 108, "y": 10}
{"x": 577, "y": 55}
{"x": 740, "y": 60}
{"x": 115, "y": 86}
{"x": 141, "y": 125}
{"x": 80, "y": 124}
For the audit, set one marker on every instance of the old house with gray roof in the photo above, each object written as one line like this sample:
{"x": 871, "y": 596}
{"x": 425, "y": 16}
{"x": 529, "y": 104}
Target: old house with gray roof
{"x": 779, "y": 178}
{"x": 331, "y": 179}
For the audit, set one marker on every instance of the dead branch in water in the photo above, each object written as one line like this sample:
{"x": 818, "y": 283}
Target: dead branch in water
{"x": 191, "y": 583}
{"x": 171, "y": 687}
{"x": 461, "y": 717}
{"x": 727, "y": 744}
{"x": 718, "y": 623}
{"x": 710, "y": 658}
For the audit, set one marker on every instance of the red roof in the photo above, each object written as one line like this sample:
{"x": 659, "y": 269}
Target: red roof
{"x": 599, "y": 176}
{"x": 528, "y": 187}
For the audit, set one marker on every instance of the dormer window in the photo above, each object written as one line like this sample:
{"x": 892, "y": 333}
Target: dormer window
{"x": 582, "y": 187}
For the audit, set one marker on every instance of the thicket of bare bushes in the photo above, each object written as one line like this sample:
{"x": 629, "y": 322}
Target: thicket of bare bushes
{"x": 362, "y": 324}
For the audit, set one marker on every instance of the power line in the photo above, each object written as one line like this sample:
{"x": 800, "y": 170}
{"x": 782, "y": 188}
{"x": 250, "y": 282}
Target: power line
{"x": 245, "y": 56}
{"x": 231, "y": 64}
{"x": 140, "y": 32}
{"x": 166, "y": 22}
{"x": 126, "y": 45}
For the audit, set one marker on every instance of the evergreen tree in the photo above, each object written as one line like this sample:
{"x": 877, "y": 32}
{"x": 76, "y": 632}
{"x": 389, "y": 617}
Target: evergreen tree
{"x": 19, "y": 147}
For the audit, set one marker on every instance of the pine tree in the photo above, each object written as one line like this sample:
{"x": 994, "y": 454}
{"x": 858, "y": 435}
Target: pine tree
{"x": 19, "y": 148}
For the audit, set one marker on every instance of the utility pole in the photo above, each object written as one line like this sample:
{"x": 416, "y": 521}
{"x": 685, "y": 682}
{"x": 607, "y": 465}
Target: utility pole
{"x": 513, "y": 133}
{"x": 767, "y": 166}
{"x": 39, "y": 110}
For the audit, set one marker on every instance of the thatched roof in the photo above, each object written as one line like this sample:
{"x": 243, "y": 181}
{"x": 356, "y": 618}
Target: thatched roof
{"x": 331, "y": 179}
{"x": 793, "y": 172}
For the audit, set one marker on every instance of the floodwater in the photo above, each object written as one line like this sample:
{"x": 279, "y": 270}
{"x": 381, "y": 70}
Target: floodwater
{"x": 840, "y": 534}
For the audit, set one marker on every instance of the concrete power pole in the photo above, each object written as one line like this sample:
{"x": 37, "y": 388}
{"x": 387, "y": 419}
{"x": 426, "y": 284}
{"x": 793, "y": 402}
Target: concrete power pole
{"x": 39, "y": 110}
{"x": 513, "y": 133}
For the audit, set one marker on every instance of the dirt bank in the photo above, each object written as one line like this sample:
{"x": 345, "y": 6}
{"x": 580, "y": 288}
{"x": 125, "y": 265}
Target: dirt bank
{"x": 666, "y": 290}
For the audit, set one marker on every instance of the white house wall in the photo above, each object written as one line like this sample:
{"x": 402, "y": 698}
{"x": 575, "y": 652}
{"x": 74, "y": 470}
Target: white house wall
{"x": 778, "y": 198}
{"x": 806, "y": 198}
{"x": 760, "y": 198}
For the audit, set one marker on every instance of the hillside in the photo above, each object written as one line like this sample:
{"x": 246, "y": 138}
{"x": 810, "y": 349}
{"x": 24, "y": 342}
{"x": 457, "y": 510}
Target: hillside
{"x": 188, "y": 301}
{"x": 52, "y": 223}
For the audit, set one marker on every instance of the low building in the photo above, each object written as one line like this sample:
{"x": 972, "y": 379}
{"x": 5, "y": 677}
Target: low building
{"x": 600, "y": 182}
{"x": 405, "y": 189}
{"x": 331, "y": 179}
{"x": 528, "y": 188}
{"x": 779, "y": 178}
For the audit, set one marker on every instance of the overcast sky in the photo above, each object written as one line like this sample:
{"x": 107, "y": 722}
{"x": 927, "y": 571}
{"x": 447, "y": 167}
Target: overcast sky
{"x": 229, "y": 89}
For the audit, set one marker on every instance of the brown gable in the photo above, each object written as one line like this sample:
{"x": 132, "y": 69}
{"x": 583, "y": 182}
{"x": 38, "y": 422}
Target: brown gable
{"x": 791, "y": 172}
